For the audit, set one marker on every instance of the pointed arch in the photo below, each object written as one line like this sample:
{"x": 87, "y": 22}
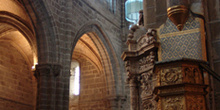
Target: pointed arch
{"x": 108, "y": 56}
{"x": 45, "y": 31}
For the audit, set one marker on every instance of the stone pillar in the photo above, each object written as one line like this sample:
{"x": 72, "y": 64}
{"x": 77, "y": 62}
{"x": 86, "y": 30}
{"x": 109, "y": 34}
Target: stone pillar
{"x": 180, "y": 85}
{"x": 46, "y": 77}
{"x": 134, "y": 96}
{"x": 149, "y": 13}
{"x": 145, "y": 12}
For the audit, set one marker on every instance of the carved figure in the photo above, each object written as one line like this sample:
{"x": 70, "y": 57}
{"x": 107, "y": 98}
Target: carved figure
{"x": 145, "y": 85}
{"x": 151, "y": 33}
{"x": 141, "y": 18}
{"x": 151, "y": 57}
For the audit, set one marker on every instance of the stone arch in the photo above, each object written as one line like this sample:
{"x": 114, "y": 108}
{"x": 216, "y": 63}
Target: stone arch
{"x": 18, "y": 55}
{"x": 101, "y": 40}
{"x": 108, "y": 57}
{"x": 45, "y": 30}
{"x": 92, "y": 85}
{"x": 16, "y": 19}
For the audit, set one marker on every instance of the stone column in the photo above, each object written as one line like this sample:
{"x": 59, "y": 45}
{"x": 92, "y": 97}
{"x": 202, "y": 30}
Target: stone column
{"x": 180, "y": 85}
{"x": 134, "y": 96}
{"x": 145, "y": 12}
{"x": 149, "y": 13}
{"x": 46, "y": 77}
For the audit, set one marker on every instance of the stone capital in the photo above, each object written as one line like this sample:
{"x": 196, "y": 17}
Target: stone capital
{"x": 48, "y": 70}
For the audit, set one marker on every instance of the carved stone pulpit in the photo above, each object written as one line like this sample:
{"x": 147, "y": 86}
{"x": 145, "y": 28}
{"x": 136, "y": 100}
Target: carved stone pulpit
{"x": 139, "y": 62}
{"x": 180, "y": 85}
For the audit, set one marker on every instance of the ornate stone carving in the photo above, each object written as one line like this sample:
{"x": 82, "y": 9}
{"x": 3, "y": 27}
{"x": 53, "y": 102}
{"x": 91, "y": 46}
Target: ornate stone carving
{"x": 139, "y": 63}
{"x": 147, "y": 96}
{"x": 180, "y": 86}
{"x": 152, "y": 34}
{"x": 148, "y": 38}
{"x": 131, "y": 70}
{"x": 127, "y": 66}
{"x": 145, "y": 63}
{"x": 145, "y": 81}
{"x": 131, "y": 31}
{"x": 149, "y": 104}
{"x": 132, "y": 79}
{"x": 135, "y": 27}
{"x": 173, "y": 103}
{"x": 171, "y": 76}
{"x": 195, "y": 102}
{"x": 192, "y": 75}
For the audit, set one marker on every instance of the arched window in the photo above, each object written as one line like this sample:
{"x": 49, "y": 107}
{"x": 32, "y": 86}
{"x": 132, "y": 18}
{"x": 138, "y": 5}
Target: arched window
{"x": 74, "y": 78}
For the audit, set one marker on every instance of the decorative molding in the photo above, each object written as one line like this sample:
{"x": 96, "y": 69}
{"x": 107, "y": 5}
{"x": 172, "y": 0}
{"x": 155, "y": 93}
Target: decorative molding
{"x": 139, "y": 62}
{"x": 147, "y": 38}
{"x": 146, "y": 86}
{"x": 173, "y": 103}
{"x": 171, "y": 76}
{"x": 180, "y": 85}
{"x": 192, "y": 75}
{"x": 146, "y": 63}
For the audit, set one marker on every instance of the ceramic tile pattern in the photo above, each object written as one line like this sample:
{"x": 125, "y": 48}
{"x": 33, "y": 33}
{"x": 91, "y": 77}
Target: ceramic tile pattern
{"x": 169, "y": 27}
{"x": 186, "y": 45}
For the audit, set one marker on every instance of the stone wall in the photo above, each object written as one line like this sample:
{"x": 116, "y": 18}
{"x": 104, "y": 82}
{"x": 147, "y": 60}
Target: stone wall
{"x": 97, "y": 86}
{"x": 93, "y": 88}
{"x": 59, "y": 24}
{"x": 17, "y": 84}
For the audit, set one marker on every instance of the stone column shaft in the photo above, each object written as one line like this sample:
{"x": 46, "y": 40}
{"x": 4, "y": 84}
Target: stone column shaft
{"x": 145, "y": 12}
{"x": 134, "y": 94}
{"x": 46, "y": 78}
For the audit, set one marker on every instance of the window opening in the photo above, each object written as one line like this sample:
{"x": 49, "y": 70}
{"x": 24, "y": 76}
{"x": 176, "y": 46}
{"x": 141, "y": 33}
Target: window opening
{"x": 74, "y": 78}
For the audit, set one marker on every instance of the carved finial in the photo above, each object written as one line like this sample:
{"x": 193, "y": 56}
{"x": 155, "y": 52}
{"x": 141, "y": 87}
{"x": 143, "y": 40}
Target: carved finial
{"x": 132, "y": 30}
{"x": 151, "y": 32}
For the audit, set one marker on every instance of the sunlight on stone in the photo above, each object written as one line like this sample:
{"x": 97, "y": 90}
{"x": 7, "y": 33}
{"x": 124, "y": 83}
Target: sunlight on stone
{"x": 76, "y": 81}
{"x": 74, "y": 78}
